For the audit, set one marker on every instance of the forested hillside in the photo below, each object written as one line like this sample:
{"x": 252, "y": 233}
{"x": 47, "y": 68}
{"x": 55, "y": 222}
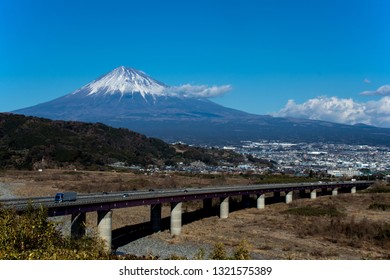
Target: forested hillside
{"x": 30, "y": 142}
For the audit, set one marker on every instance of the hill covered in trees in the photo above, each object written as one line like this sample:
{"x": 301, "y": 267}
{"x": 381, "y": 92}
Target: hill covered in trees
{"x": 31, "y": 142}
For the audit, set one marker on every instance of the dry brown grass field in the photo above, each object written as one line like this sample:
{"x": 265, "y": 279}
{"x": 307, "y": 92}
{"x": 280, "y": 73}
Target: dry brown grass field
{"x": 347, "y": 226}
{"x": 49, "y": 182}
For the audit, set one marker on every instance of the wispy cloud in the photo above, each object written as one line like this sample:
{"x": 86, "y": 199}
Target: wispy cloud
{"x": 382, "y": 91}
{"x": 367, "y": 81}
{"x": 340, "y": 110}
{"x": 201, "y": 91}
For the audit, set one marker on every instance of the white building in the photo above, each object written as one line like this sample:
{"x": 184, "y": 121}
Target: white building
{"x": 346, "y": 172}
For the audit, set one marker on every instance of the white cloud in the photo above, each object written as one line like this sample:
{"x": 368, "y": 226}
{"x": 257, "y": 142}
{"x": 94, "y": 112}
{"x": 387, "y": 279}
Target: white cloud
{"x": 201, "y": 91}
{"x": 380, "y": 111}
{"x": 340, "y": 110}
{"x": 383, "y": 91}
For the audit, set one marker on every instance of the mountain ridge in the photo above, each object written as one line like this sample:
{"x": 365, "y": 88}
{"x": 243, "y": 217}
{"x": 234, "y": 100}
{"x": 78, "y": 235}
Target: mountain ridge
{"x": 174, "y": 116}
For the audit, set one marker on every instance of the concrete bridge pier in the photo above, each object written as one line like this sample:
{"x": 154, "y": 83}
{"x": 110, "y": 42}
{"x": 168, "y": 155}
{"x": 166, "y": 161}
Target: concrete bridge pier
{"x": 105, "y": 227}
{"x": 176, "y": 212}
{"x": 313, "y": 194}
{"x": 155, "y": 217}
{"x": 224, "y": 208}
{"x": 77, "y": 227}
{"x": 246, "y": 201}
{"x": 289, "y": 197}
{"x": 353, "y": 190}
{"x": 335, "y": 191}
{"x": 260, "y": 201}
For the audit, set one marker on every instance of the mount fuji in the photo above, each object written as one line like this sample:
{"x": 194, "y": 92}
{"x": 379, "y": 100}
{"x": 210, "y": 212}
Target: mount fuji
{"x": 129, "y": 98}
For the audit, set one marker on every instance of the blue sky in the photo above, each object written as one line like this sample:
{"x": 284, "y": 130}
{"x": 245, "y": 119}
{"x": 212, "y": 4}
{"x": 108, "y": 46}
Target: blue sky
{"x": 314, "y": 59}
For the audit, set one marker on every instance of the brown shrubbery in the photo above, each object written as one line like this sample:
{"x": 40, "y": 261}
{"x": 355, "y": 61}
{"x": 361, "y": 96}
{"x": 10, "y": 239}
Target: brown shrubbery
{"x": 337, "y": 228}
{"x": 315, "y": 211}
{"x": 378, "y": 187}
{"x": 379, "y": 206}
{"x": 241, "y": 252}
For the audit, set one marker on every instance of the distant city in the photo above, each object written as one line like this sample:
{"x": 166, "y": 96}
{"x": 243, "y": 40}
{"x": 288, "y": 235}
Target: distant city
{"x": 338, "y": 160}
{"x": 297, "y": 159}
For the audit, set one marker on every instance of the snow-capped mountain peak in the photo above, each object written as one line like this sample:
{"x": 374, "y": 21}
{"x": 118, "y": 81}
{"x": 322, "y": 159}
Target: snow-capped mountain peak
{"x": 123, "y": 80}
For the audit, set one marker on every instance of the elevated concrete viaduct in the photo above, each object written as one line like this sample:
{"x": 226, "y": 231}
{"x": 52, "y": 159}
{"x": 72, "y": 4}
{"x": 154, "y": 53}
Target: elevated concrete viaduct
{"x": 103, "y": 204}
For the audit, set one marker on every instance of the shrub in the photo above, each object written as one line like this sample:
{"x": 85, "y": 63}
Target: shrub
{"x": 200, "y": 254}
{"x": 219, "y": 252}
{"x": 241, "y": 252}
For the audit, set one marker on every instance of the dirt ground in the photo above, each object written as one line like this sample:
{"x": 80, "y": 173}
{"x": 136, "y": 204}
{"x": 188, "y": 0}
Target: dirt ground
{"x": 357, "y": 232}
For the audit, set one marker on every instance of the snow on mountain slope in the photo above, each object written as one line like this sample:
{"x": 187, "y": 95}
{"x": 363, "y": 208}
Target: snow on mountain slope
{"x": 124, "y": 81}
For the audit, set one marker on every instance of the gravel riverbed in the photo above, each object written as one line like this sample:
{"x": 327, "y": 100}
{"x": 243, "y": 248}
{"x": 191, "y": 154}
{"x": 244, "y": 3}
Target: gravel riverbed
{"x": 6, "y": 190}
{"x": 153, "y": 245}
